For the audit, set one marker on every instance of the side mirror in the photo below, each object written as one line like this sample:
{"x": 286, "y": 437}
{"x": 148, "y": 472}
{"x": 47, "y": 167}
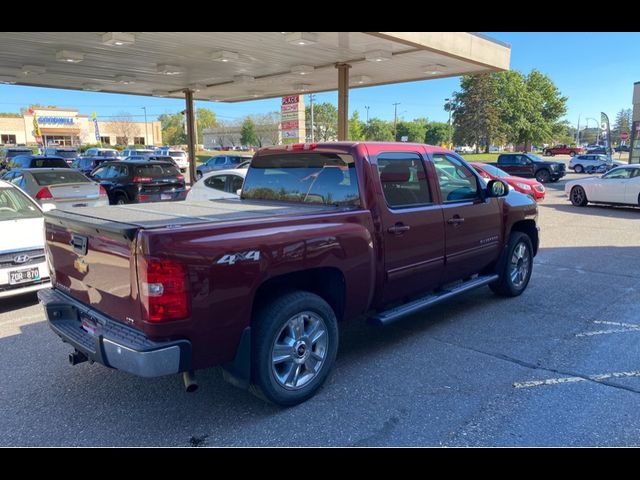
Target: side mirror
{"x": 497, "y": 188}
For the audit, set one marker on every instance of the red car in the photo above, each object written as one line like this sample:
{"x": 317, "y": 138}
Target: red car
{"x": 528, "y": 186}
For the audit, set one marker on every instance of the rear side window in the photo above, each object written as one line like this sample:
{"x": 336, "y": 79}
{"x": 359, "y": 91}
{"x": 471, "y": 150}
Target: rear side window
{"x": 310, "y": 177}
{"x": 156, "y": 171}
{"x": 404, "y": 180}
{"x": 507, "y": 159}
{"x": 57, "y": 178}
{"x": 234, "y": 160}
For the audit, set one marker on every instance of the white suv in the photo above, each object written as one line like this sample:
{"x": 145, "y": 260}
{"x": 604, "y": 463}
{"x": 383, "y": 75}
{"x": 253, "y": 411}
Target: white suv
{"x": 180, "y": 156}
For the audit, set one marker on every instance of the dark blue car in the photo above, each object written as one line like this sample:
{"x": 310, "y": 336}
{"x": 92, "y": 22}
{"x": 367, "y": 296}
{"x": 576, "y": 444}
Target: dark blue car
{"x": 87, "y": 164}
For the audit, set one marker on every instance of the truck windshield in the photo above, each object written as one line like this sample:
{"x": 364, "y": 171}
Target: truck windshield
{"x": 321, "y": 178}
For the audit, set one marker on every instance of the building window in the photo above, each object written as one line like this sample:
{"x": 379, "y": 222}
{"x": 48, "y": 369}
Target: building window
{"x": 105, "y": 140}
{"x": 121, "y": 140}
{"x": 8, "y": 139}
{"x": 138, "y": 140}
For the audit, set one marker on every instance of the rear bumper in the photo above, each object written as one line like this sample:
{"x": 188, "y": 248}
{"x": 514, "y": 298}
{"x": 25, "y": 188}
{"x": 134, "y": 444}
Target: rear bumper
{"x": 112, "y": 343}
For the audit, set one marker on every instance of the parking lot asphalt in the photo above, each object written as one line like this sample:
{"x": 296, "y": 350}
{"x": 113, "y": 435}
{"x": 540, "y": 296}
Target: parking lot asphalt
{"x": 559, "y": 365}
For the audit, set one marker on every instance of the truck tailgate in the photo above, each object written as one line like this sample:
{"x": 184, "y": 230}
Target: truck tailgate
{"x": 94, "y": 261}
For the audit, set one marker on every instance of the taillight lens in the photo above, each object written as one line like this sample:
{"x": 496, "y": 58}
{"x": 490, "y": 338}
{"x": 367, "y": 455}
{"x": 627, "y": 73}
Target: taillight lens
{"x": 43, "y": 194}
{"x": 163, "y": 290}
{"x": 180, "y": 177}
{"x": 103, "y": 192}
{"x": 141, "y": 179}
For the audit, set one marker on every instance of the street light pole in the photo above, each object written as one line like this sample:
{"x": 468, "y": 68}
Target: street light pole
{"x": 367, "y": 108}
{"x": 311, "y": 98}
{"x": 448, "y": 108}
{"x": 146, "y": 133}
{"x": 395, "y": 121}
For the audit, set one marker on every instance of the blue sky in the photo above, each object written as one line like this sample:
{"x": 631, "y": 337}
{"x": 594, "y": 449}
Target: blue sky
{"x": 595, "y": 70}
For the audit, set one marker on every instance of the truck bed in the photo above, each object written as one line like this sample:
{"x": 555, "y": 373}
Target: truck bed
{"x": 127, "y": 219}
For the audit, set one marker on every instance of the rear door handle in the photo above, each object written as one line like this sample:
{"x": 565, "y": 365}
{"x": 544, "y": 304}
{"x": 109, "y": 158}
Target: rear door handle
{"x": 398, "y": 228}
{"x": 455, "y": 220}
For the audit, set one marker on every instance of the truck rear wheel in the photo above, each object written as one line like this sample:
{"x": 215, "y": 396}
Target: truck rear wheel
{"x": 543, "y": 176}
{"x": 515, "y": 268}
{"x": 294, "y": 346}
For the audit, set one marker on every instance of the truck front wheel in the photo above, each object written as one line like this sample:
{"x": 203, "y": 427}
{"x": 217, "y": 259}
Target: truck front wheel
{"x": 293, "y": 348}
{"x": 515, "y": 268}
{"x": 543, "y": 176}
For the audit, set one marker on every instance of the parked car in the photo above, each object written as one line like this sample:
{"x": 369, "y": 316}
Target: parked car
{"x": 23, "y": 267}
{"x": 622, "y": 148}
{"x": 179, "y": 156}
{"x": 152, "y": 158}
{"x": 140, "y": 181}
{"x": 36, "y": 161}
{"x": 619, "y": 186}
{"x": 221, "y": 162}
{"x": 528, "y": 186}
{"x": 322, "y": 234}
{"x": 218, "y": 184}
{"x": 109, "y": 153}
{"x": 562, "y": 150}
{"x": 597, "y": 151}
{"x": 136, "y": 151}
{"x": 464, "y": 149}
{"x": 8, "y": 153}
{"x": 86, "y": 165}
{"x": 528, "y": 165}
{"x": 59, "y": 187}
{"x": 68, "y": 153}
{"x": 579, "y": 163}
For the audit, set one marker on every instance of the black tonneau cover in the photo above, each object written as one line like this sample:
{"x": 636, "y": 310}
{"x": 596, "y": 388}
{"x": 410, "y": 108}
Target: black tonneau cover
{"x": 125, "y": 220}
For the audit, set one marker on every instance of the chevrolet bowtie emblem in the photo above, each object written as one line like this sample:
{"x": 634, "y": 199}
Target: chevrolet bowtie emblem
{"x": 81, "y": 266}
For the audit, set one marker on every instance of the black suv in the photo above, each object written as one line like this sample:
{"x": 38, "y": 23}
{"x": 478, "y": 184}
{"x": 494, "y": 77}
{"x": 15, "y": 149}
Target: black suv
{"x": 140, "y": 181}
{"x": 36, "y": 161}
{"x": 529, "y": 165}
{"x": 68, "y": 153}
{"x": 87, "y": 165}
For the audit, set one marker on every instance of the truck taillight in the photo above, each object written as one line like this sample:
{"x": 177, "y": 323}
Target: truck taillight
{"x": 103, "y": 192}
{"x": 43, "y": 194}
{"x": 163, "y": 289}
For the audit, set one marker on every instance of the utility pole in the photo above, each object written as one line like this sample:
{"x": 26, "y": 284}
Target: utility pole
{"x": 367, "y": 108}
{"x": 146, "y": 138}
{"x": 311, "y": 98}
{"x": 448, "y": 108}
{"x": 578, "y": 132}
{"x": 395, "y": 121}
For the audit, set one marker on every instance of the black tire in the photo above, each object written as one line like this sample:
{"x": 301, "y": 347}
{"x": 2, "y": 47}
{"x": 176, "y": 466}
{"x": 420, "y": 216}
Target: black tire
{"x": 578, "y": 196}
{"x": 506, "y": 286}
{"x": 121, "y": 199}
{"x": 578, "y": 168}
{"x": 198, "y": 175}
{"x": 546, "y": 153}
{"x": 543, "y": 175}
{"x": 572, "y": 154}
{"x": 268, "y": 329}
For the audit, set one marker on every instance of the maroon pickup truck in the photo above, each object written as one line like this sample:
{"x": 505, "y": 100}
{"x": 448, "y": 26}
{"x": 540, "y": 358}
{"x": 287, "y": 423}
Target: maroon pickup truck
{"x": 322, "y": 233}
{"x": 563, "y": 150}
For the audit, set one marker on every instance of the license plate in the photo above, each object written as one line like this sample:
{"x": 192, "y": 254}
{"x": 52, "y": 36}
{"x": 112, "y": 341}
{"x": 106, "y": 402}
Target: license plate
{"x": 166, "y": 196}
{"x": 24, "y": 276}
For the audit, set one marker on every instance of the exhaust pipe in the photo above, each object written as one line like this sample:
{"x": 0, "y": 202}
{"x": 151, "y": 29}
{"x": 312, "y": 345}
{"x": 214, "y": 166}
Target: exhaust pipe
{"x": 77, "y": 357}
{"x": 190, "y": 382}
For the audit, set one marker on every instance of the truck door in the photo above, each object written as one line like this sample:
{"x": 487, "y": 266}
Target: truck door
{"x": 413, "y": 229}
{"x": 473, "y": 225}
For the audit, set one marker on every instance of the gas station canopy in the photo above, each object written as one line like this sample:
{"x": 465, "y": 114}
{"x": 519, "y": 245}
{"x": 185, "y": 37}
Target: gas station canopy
{"x": 238, "y": 66}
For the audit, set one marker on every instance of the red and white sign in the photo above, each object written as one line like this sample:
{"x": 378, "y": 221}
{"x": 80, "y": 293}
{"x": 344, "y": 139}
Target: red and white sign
{"x": 291, "y": 107}
{"x": 290, "y": 99}
{"x": 624, "y": 135}
{"x": 290, "y": 125}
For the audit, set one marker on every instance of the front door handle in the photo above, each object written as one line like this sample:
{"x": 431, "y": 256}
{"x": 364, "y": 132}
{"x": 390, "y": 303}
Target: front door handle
{"x": 455, "y": 220}
{"x": 398, "y": 229}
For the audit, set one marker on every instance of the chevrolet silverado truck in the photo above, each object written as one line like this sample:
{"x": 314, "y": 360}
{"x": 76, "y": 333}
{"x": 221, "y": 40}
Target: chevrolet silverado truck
{"x": 528, "y": 165}
{"x": 260, "y": 285}
{"x": 562, "y": 150}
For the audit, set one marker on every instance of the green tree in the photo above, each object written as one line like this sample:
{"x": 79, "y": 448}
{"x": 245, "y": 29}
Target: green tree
{"x": 173, "y": 132}
{"x": 530, "y": 108}
{"x": 379, "y": 130}
{"x": 205, "y": 118}
{"x": 356, "y": 127}
{"x": 476, "y": 112}
{"x": 622, "y": 123}
{"x": 437, "y": 133}
{"x": 414, "y": 130}
{"x": 325, "y": 121}
{"x": 248, "y": 133}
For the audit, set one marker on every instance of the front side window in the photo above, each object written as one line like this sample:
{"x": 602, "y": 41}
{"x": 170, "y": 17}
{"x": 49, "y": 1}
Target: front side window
{"x": 306, "y": 177}
{"x": 457, "y": 182}
{"x": 220, "y": 160}
{"x": 404, "y": 180}
{"x": 217, "y": 182}
{"x": 619, "y": 173}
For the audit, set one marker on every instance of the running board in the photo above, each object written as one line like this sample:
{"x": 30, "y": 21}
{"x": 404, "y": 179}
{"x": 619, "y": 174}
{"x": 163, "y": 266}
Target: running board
{"x": 396, "y": 313}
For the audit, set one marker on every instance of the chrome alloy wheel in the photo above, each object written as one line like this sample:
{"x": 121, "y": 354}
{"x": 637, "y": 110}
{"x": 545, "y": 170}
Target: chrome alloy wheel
{"x": 519, "y": 268}
{"x": 299, "y": 350}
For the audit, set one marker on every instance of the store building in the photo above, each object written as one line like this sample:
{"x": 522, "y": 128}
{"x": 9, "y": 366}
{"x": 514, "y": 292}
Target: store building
{"x": 67, "y": 127}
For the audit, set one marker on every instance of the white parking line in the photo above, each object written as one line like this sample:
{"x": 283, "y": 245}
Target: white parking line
{"x": 556, "y": 381}
{"x": 627, "y": 327}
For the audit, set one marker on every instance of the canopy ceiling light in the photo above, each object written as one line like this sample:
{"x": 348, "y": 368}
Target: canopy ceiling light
{"x": 302, "y": 87}
{"x": 166, "y": 69}
{"x": 7, "y": 79}
{"x": 69, "y": 56}
{"x": 360, "y": 79}
{"x": 302, "y": 69}
{"x": 378, "y": 55}
{"x": 160, "y": 93}
{"x": 196, "y": 87}
{"x": 125, "y": 80}
{"x": 302, "y": 38}
{"x": 118, "y": 38}
{"x": 434, "y": 69}
{"x": 91, "y": 87}
{"x": 255, "y": 93}
{"x": 224, "y": 56}
{"x": 33, "y": 69}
